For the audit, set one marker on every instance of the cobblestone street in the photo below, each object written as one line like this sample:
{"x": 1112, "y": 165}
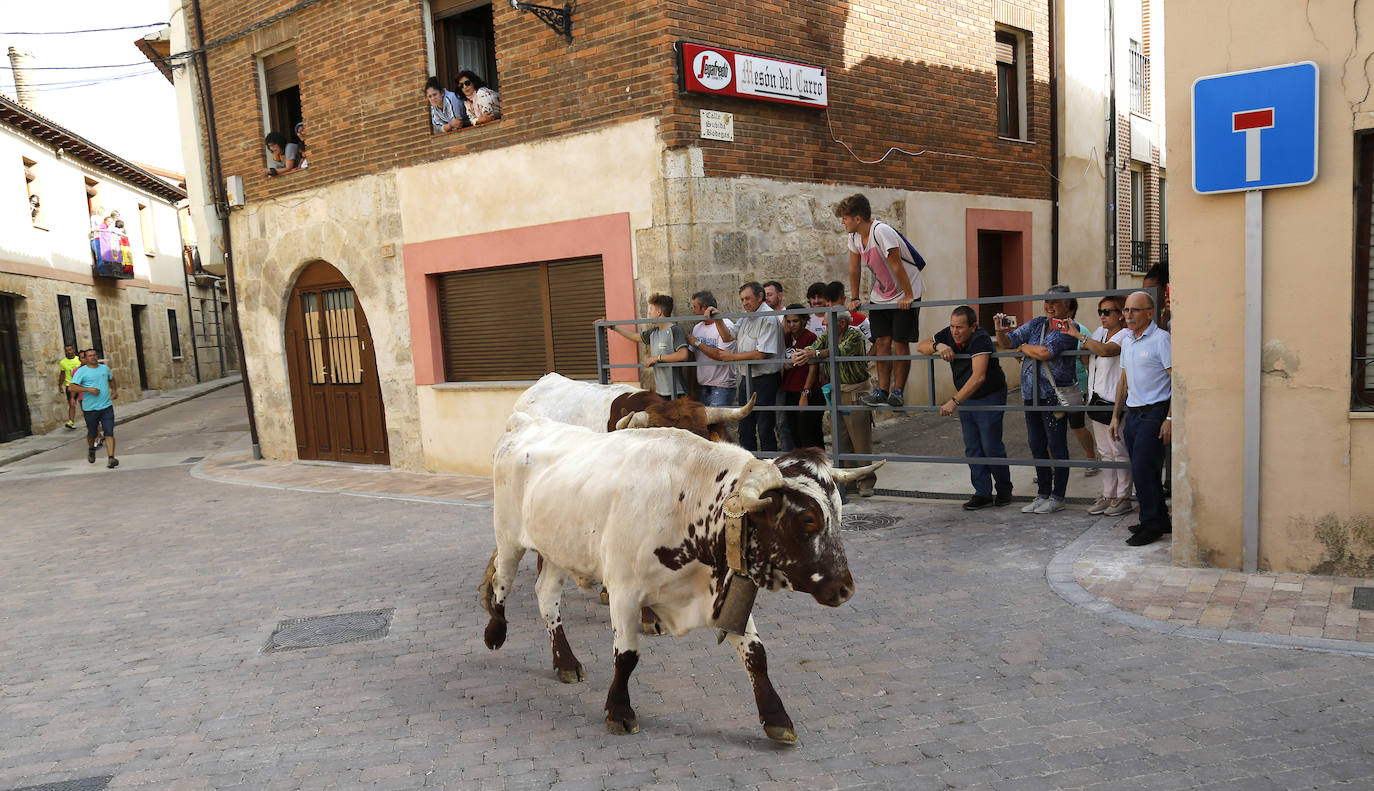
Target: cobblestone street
{"x": 137, "y": 602}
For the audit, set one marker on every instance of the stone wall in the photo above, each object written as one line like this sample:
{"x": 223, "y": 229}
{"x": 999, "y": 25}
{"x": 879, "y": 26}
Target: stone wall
{"x": 40, "y": 331}
{"x": 356, "y": 227}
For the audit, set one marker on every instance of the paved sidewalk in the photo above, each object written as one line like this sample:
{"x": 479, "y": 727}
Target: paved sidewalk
{"x": 32, "y": 445}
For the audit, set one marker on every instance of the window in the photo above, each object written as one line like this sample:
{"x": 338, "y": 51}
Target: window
{"x": 145, "y": 225}
{"x": 176, "y": 336}
{"x": 31, "y": 182}
{"x": 551, "y": 308}
{"x": 1140, "y": 246}
{"x": 94, "y": 315}
{"x": 1140, "y": 80}
{"x": 64, "y": 315}
{"x": 92, "y": 205}
{"x": 464, "y": 38}
{"x": 281, "y": 91}
{"x": 1011, "y": 84}
{"x": 1362, "y": 342}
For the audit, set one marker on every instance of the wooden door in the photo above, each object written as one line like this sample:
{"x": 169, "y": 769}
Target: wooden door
{"x": 336, "y": 397}
{"x": 14, "y": 406}
{"x": 138, "y": 346}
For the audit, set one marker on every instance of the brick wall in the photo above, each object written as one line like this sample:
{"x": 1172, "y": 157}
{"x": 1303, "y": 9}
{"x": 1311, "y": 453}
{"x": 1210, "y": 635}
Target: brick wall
{"x": 906, "y": 74}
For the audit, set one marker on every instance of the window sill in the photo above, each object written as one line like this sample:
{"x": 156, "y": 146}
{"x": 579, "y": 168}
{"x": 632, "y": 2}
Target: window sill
{"x": 150, "y": 253}
{"x": 449, "y": 135}
{"x": 1362, "y": 415}
{"x": 38, "y": 227}
{"x": 1016, "y": 140}
{"x": 1140, "y": 115}
{"x": 508, "y": 384}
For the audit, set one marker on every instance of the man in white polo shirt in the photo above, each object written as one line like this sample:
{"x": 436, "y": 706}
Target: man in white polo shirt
{"x": 757, "y": 337}
{"x": 1146, "y": 386}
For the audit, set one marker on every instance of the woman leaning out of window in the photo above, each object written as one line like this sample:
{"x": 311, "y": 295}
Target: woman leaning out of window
{"x": 446, "y": 110}
{"x": 483, "y": 104}
{"x": 277, "y": 160}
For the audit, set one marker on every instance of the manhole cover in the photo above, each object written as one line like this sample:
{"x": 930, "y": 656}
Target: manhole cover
{"x": 84, "y": 784}
{"x": 1363, "y": 599}
{"x": 325, "y": 630}
{"x": 868, "y": 521}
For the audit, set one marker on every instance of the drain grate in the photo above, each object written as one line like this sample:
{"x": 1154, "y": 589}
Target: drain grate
{"x": 868, "y": 521}
{"x": 1363, "y": 599}
{"x": 322, "y": 630}
{"x": 84, "y": 784}
{"x": 250, "y": 465}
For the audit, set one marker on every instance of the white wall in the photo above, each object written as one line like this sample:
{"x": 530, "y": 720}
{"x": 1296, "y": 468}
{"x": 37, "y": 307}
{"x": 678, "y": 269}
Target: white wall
{"x": 61, "y": 240}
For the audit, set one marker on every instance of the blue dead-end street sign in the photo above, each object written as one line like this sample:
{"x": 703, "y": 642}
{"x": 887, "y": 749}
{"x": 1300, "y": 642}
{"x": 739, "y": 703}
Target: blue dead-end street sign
{"x": 1255, "y": 129}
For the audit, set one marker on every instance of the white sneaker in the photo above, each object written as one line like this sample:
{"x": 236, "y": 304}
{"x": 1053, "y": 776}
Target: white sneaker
{"x": 1034, "y": 504}
{"x": 1100, "y": 507}
{"x": 1050, "y": 505}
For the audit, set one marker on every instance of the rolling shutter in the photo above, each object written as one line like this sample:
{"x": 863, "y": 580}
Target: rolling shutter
{"x": 279, "y": 71}
{"x": 492, "y": 322}
{"x": 520, "y": 322}
{"x": 578, "y": 295}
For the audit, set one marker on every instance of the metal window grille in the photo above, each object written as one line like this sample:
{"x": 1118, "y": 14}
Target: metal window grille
{"x": 1362, "y": 340}
{"x": 93, "y": 313}
{"x": 1140, "y": 79}
{"x": 175, "y": 332}
{"x": 1140, "y": 257}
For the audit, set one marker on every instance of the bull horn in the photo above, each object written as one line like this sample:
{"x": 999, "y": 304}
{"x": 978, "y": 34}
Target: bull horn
{"x": 852, "y": 474}
{"x": 633, "y": 420}
{"x": 760, "y": 478}
{"x": 730, "y": 414}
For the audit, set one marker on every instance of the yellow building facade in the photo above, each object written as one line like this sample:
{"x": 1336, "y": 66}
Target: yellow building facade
{"x": 1317, "y": 436}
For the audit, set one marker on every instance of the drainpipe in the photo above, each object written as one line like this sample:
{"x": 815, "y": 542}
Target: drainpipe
{"x": 222, "y": 210}
{"x": 1054, "y": 152}
{"x": 186, "y": 280}
{"x": 1111, "y": 145}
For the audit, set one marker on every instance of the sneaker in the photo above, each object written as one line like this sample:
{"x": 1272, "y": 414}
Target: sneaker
{"x": 1050, "y": 505}
{"x": 1119, "y": 507}
{"x": 1002, "y": 498}
{"x": 1101, "y": 506}
{"x": 875, "y": 398}
{"x": 1090, "y": 472}
{"x": 1034, "y": 504}
{"x": 112, "y": 463}
{"x": 895, "y": 399}
{"x": 978, "y": 502}
{"x": 90, "y": 454}
{"x": 69, "y": 424}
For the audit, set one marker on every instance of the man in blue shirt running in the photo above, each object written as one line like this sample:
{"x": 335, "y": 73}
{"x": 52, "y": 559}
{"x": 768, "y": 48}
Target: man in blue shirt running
{"x": 98, "y": 383}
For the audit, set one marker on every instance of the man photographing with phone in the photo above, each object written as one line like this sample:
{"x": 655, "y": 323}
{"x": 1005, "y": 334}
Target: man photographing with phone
{"x": 1042, "y": 341}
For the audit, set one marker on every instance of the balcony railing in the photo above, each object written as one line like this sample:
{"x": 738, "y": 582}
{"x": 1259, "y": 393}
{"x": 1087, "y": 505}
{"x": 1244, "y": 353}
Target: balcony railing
{"x": 1164, "y": 253}
{"x": 1140, "y": 257}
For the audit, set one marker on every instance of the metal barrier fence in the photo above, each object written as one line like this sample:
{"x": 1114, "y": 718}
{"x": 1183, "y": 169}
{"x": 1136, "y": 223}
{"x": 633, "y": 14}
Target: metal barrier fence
{"x": 833, "y": 361}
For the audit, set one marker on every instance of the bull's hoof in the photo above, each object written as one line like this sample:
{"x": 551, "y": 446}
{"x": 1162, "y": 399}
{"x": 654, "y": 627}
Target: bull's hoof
{"x": 570, "y": 675}
{"x": 781, "y": 733}
{"x": 495, "y": 635}
{"x": 622, "y": 727}
{"x": 605, "y": 596}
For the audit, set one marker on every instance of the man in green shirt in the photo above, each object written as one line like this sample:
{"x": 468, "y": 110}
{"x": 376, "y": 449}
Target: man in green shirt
{"x": 66, "y": 365}
{"x": 858, "y": 425}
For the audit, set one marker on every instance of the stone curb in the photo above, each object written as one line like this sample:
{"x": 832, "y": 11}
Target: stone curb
{"x": 197, "y": 472}
{"x": 37, "y": 444}
{"x": 1059, "y": 574}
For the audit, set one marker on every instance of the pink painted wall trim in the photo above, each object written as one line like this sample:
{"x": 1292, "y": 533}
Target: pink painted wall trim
{"x": 1016, "y": 257}
{"x": 607, "y": 236}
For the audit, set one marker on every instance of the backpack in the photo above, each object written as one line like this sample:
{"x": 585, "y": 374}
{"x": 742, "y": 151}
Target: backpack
{"x": 911, "y": 256}
{"x": 886, "y": 280}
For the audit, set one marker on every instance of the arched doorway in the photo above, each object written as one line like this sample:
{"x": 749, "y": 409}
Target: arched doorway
{"x": 336, "y": 398}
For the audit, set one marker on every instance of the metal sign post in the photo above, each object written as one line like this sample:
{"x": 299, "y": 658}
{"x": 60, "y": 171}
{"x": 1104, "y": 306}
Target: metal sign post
{"x": 1232, "y": 114}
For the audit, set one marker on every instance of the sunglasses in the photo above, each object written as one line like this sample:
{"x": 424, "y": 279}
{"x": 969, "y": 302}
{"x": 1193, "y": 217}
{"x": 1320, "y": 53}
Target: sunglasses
{"x": 464, "y": 83}
{"x": 1107, "y": 312}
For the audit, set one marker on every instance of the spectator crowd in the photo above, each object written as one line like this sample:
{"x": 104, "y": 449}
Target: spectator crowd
{"x": 1110, "y": 386}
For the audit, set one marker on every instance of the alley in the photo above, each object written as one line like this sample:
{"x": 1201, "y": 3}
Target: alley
{"x": 138, "y": 601}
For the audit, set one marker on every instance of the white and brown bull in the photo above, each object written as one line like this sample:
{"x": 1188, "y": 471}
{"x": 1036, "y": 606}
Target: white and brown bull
{"x": 609, "y": 407}
{"x": 661, "y": 516}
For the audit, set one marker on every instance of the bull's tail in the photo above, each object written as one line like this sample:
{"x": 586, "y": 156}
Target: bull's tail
{"x": 484, "y": 591}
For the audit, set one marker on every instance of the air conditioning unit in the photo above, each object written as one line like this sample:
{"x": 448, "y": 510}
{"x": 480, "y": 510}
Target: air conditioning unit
{"x": 233, "y": 187}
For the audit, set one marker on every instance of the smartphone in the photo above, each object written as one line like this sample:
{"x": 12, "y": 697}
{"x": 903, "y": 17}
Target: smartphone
{"x": 1008, "y": 322}
{"x": 1060, "y": 324}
